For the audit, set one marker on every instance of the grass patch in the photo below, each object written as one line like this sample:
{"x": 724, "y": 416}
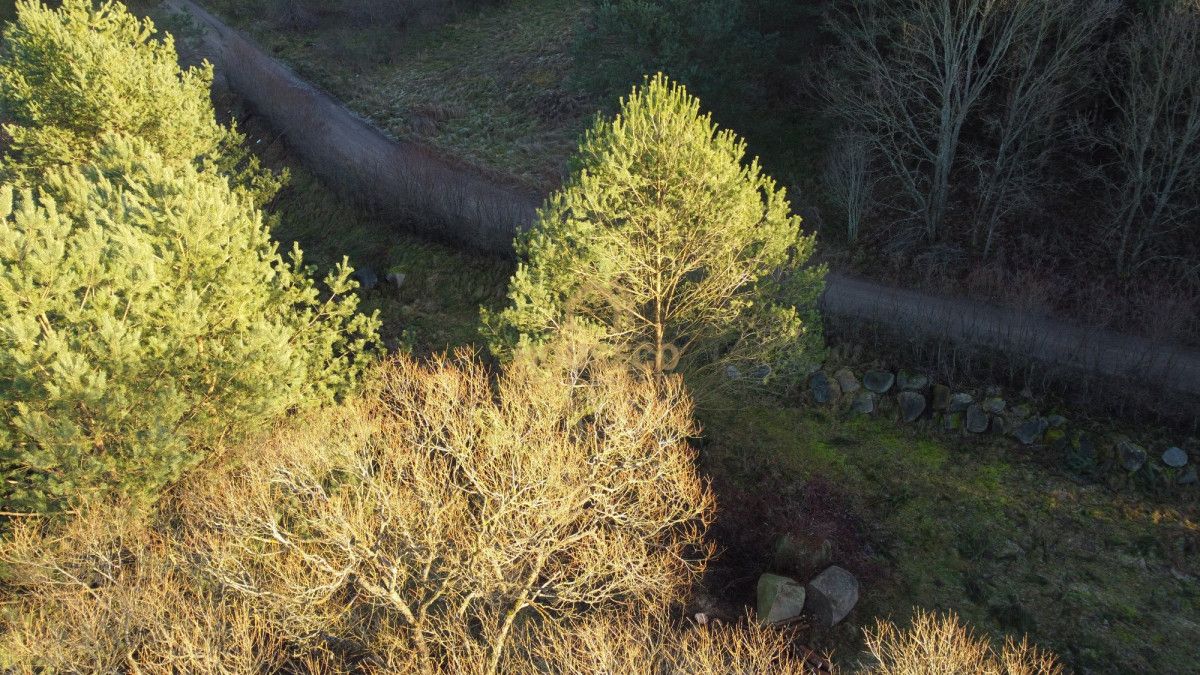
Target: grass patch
{"x": 975, "y": 525}
{"x": 490, "y": 87}
{"x": 496, "y": 88}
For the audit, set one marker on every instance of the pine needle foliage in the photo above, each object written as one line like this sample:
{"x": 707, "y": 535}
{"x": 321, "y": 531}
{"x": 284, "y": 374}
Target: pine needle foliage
{"x": 669, "y": 245}
{"x": 71, "y": 75}
{"x": 145, "y": 315}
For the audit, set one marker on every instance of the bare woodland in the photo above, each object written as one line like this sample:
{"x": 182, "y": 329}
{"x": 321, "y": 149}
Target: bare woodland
{"x": 977, "y": 115}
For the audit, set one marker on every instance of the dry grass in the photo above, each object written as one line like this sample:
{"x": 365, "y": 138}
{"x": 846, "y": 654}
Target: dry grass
{"x": 650, "y": 643}
{"x": 942, "y": 645}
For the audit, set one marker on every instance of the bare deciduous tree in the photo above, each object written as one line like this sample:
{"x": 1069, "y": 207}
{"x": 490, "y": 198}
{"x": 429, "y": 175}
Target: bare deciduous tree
{"x": 913, "y": 76}
{"x": 1154, "y": 134}
{"x": 849, "y": 180}
{"x": 910, "y": 75}
{"x": 1040, "y": 77}
{"x": 463, "y": 508}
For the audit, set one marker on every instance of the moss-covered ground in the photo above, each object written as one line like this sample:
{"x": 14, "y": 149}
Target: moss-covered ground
{"x": 1107, "y": 579}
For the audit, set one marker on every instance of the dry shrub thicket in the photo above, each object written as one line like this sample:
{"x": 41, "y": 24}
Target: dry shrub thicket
{"x": 549, "y": 519}
{"x": 941, "y": 645}
{"x": 416, "y": 529}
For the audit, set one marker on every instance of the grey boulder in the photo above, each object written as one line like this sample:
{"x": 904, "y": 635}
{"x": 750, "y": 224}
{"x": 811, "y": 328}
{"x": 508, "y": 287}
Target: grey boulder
{"x": 1175, "y": 457}
{"x": 761, "y": 372}
{"x": 959, "y": 402}
{"x": 999, "y": 426}
{"x": 977, "y": 419}
{"x": 864, "y": 403}
{"x": 1131, "y": 455}
{"x": 831, "y": 596}
{"x": 780, "y": 599}
{"x": 823, "y": 389}
{"x": 1029, "y": 431}
{"x": 1189, "y": 477}
{"x": 993, "y": 405}
{"x": 879, "y": 381}
{"x": 847, "y": 381}
{"x": 912, "y": 405}
{"x": 941, "y": 396}
{"x": 366, "y": 277}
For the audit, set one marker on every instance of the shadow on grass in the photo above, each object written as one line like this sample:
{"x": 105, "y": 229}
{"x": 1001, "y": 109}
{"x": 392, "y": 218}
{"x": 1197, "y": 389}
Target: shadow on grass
{"x": 969, "y": 524}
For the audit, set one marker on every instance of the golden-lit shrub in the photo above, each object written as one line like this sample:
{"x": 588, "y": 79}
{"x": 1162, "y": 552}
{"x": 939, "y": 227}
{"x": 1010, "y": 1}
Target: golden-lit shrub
{"x": 942, "y": 645}
{"x": 649, "y": 642}
{"x": 105, "y": 595}
{"x": 414, "y": 529}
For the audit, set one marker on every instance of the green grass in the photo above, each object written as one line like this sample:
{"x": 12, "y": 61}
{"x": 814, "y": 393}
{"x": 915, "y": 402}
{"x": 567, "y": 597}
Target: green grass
{"x": 1092, "y": 578}
{"x": 491, "y": 87}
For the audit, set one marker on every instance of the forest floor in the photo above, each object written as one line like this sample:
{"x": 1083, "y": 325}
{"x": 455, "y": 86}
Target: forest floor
{"x": 1106, "y": 575}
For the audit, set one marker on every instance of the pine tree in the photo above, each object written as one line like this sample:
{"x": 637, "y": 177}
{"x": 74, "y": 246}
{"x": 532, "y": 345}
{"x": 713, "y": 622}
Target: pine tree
{"x": 145, "y": 316}
{"x": 71, "y": 75}
{"x": 669, "y": 245}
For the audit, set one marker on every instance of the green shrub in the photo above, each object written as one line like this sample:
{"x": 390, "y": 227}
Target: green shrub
{"x": 145, "y": 315}
{"x": 68, "y": 76}
{"x": 669, "y": 245}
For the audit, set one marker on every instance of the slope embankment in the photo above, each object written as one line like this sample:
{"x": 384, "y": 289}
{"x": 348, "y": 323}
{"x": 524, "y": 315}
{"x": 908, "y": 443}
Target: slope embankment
{"x": 452, "y": 201}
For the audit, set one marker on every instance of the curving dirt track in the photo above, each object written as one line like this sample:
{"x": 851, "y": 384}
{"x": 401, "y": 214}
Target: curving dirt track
{"x": 451, "y": 201}
{"x": 1147, "y": 363}
{"x": 438, "y": 197}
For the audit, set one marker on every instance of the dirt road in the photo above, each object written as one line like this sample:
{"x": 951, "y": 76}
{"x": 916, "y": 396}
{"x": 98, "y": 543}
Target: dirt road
{"x": 452, "y": 201}
{"x": 435, "y": 195}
